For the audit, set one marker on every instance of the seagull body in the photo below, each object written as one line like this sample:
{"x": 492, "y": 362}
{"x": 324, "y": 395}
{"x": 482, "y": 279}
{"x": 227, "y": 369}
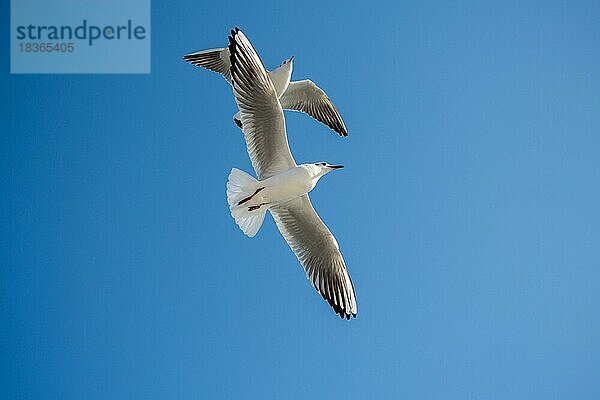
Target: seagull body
{"x": 303, "y": 96}
{"x": 246, "y": 195}
{"x": 282, "y": 186}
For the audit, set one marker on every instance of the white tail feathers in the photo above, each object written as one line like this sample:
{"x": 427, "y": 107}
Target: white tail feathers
{"x": 240, "y": 185}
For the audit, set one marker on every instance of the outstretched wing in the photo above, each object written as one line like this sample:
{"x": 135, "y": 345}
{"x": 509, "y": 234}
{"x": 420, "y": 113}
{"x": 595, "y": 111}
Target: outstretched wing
{"x": 260, "y": 111}
{"x": 214, "y": 59}
{"x": 318, "y": 252}
{"x": 307, "y": 97}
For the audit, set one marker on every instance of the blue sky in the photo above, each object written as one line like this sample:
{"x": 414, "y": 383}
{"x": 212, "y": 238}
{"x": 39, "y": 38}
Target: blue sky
{"x": 468, "y": 213}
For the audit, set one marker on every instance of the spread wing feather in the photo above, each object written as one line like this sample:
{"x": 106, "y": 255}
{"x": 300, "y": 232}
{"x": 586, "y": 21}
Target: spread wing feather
{"x": 318, "y": 252}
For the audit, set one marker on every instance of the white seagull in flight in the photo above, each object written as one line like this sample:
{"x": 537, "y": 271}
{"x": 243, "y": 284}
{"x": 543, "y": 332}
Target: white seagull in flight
{"x": 282, "y": 186}
{"x": 303, "y": 96}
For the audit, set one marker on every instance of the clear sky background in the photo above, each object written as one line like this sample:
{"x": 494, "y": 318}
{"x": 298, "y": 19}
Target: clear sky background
{"x": 468, "y": 213}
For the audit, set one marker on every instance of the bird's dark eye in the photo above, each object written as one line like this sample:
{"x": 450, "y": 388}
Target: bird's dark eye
{"x": 323, "y": 163}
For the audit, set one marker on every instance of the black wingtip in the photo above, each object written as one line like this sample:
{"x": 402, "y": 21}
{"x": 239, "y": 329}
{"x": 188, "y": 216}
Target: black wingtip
{"x": 340, "y": 128}
{"x": 337, "y": 309}
{"x": 344, "y": 315}
{"x": 231, "y": 38}
{"x": 232, "y": 50}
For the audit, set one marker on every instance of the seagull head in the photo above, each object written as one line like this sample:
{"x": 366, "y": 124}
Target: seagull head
{"x": 288, "y": 64}
{"x": 321, "y": 168}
